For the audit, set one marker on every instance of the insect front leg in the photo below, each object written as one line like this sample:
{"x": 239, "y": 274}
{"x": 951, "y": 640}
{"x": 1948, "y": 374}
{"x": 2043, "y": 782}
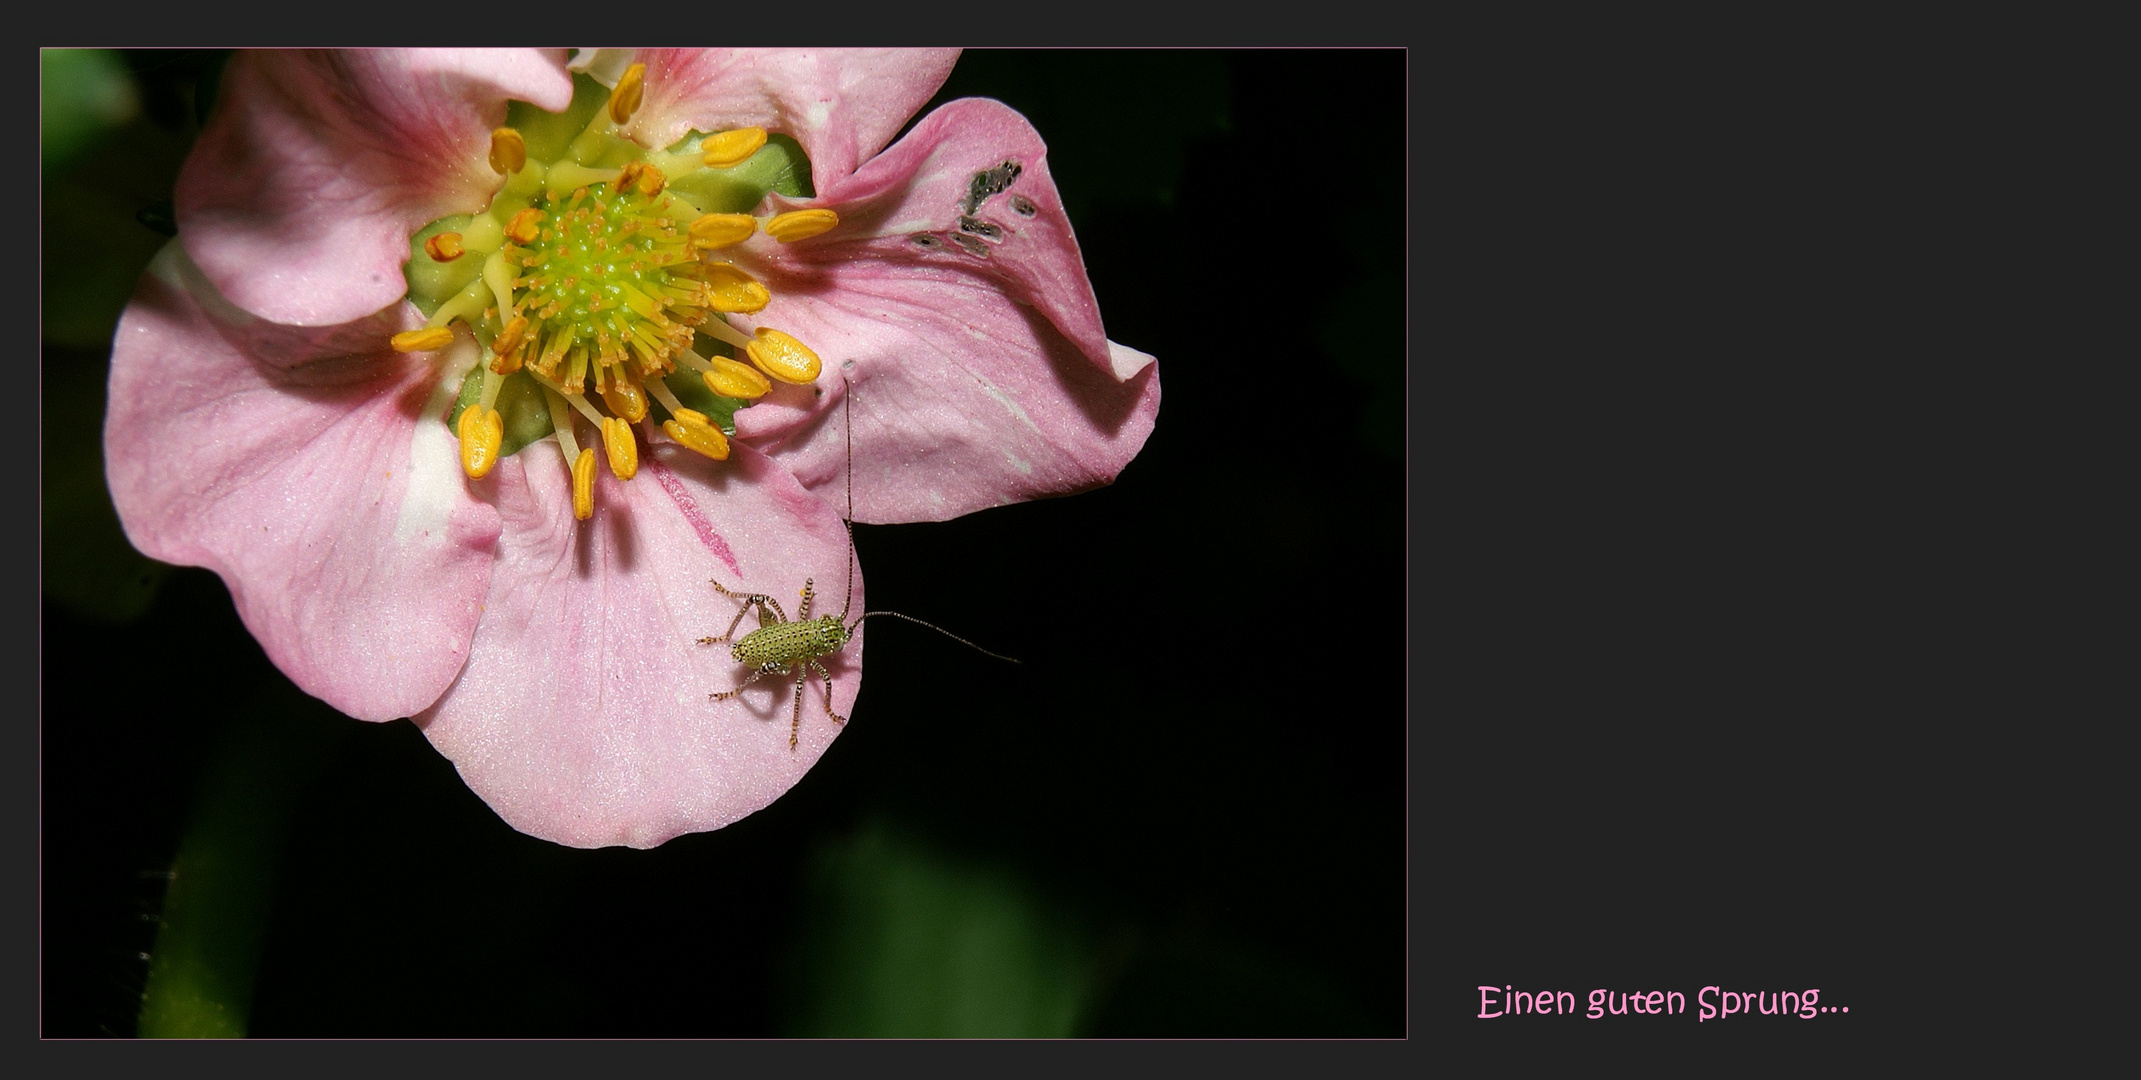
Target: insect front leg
{"x": 773, "y": 617}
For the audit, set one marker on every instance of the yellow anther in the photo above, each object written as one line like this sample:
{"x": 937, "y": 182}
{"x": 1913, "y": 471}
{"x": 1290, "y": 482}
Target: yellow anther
{"x": 443, "y": 247}
{"x": 510, "y": 338}
{"x": 482, "y": 430}
{"x": 525, "y": 226}
{"x": 801, "y": 224}
{"x": 783, "y": 357}
{"x": 731, "y": 148}
{"x": 731, "y": 379}
{"x": 626, "y": 399}
{"x": 509, "y": 152}
{"x": 730, "y": 289}
{"x": 425, "y": 340}
{"x": 624, "y": 101}
{"x": 698, "y": 434}
{"x": 715, "y": 231}
{"x": 583, "y": 484}
{"x": 638, "y": 174}
{"x": 623, "y": 449}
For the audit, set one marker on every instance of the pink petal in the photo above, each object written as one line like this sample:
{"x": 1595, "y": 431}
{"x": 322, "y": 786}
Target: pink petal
{"x": 350, "y": 545}
{"x": 963, "y": 399}
{"x": 954, "y": 287}
{"x": 300, "y": 195}
{"x": 843, "y": 105}
{"x": 582, "y": 716}
{"x": 967, "y": 190}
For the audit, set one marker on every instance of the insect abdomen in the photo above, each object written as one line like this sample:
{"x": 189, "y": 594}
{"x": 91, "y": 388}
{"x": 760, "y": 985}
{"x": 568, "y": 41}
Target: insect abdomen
{"x": 787, "y": 643}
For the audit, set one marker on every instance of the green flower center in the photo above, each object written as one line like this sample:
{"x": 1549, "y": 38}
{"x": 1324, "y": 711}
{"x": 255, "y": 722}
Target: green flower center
{"x": 594, "y": 283}
{"x": 610, "y": 286}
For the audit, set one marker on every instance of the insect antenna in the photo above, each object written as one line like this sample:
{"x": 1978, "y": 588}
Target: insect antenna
{"x": 933, "y": 626}
{"x": 849, "y": 392}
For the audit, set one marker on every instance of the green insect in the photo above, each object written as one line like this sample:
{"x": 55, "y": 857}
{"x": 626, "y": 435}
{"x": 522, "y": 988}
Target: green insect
{"x": 781, "y": 646}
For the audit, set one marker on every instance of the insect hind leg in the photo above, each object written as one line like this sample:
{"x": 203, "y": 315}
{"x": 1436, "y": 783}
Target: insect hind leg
{"x": 795, "y": 711}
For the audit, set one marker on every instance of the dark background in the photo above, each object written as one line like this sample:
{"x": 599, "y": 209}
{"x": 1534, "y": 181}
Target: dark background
{"x": 1192, "y": 809}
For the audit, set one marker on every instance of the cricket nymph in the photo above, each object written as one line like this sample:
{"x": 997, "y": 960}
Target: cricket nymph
{"x": 781, "y": 647}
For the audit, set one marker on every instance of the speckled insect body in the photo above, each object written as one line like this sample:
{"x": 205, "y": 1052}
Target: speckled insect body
{"x": 778, "y": 645}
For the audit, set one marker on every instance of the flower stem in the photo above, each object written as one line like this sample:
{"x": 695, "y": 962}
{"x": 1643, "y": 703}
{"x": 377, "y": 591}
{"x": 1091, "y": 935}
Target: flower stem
{"x": 215, "y": 912}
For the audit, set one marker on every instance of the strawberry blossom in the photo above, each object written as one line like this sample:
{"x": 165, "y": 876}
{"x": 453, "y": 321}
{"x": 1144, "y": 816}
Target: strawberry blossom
{"x": 470, "y": 368}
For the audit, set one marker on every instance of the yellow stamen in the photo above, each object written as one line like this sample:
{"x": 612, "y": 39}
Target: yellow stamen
{"x": 731, "y": 379}
{"x": 583, "y": 485}
{"x": 526, "y": 226}
{"x": 783, "y": 357}
{"x": 732, "y": 148}
{"x": 626, "y": 399}
{"x": 715, "y": 231}
{"x": 593, "y": 284}
{"x": 649, "y": 179}
{"x": 498, "y": 277}
{"x": 509, "y": 339}
{"x": 509, "y": 152}
{"x": 624, "y": 101}
{"x": 443, "y": 247}
{"x": 730, "y": 289}
{"x": 801, "y": 224}
{"x": 623, "y": 449}
{"x": 560, "y": 421}
{"x": 482, "y": 431}
{"x": 697, "y": 433}
{"x": 425, "y": 340}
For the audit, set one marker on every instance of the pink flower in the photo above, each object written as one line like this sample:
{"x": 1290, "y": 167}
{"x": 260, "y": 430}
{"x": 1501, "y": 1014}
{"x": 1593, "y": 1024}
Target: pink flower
{"x": 281, "y": 385}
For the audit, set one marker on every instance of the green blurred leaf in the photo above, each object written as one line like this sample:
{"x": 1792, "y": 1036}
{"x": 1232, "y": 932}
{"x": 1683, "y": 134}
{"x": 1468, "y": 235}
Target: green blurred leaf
{"x": 87, "y": 93}
{"x": 903, "y": 940}
{"x": 94, "y": 242}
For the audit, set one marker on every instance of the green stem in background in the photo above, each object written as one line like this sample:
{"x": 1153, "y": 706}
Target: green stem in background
{"x": 215, "y": 913}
